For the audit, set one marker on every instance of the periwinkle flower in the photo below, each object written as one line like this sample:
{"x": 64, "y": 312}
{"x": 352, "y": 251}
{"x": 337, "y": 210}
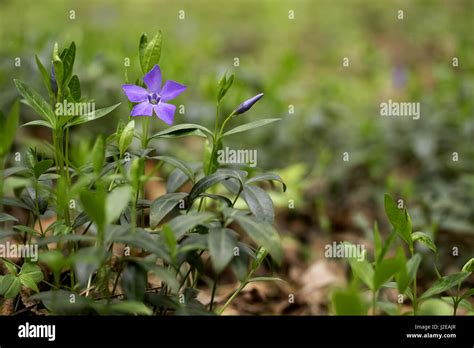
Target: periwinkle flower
{"x": 155, "y": 97}
{"x": 246, "y": 105}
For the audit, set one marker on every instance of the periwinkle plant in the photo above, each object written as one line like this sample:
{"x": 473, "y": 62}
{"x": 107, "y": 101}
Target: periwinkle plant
{"x": 399, "y": 271}
{"x": 108, "y": 237}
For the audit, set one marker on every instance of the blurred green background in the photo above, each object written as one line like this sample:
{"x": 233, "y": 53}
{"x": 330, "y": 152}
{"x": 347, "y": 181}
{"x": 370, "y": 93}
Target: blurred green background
{"x": 297, "y": 63}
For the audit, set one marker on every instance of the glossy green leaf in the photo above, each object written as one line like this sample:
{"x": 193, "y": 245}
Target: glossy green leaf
{"x": 259, "y": 203}
{"x": 116, "y": 202}
{"x": 36, "y": 102}
{"x": 38, "y": 123}
{"x": 399, "y": 219}
{"x": 250, "y": 126}
{"x": 170, "y": 241}
{"x": 184, "y": 129}
{"x": 75, "y": 88}
{"x": 177, "y": 163}
{"x": 126, "y": 137}
{"x": 445, "y": 283}
{"x": 7, "y": 217}
{"x": 10, "y": 286}
{"x": 221, "y": 243}
{"x": 93, "y": 203}
{"x": 141, "y": 50}
{"x": 33, "y": 271}
{"x": 96, "y": 114}
{"x": 263, "y": 234}
{"x": 468, "y": 266}
{"x": 152, "y": 53}
{"x": 184, "y": 223}
{"x": 424, "y": 239}
{"x": 202, "y": 185}
{"x": 363, "y": 270}
{"x": 45, "y": 75}
{"x": 41, "y": 167}
{"x": 164, "y": 205}
{"x": 267, "y": 177}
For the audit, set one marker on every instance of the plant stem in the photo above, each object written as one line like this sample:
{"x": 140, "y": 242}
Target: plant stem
{"x": 214, "y": 288}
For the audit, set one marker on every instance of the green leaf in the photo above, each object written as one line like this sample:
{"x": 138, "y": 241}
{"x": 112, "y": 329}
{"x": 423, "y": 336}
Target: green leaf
{"x": 93, "y": 203}
{"x": 251, "y": 125}
{"x": 152, "y": 53}
{"x": 170, "y": 241}
{"x": 184, "y": 223}
{"x": 68, "y": 63}
{"x": 7, "y": 217}
{"x": 33, "y": 271}
{"x": 126, "y": 137}
{"x": 363, "y": 270}
{"x": 221, "y": 243}
{"x": 36, "y": 102}
{"x": 202, "y": 185}
{"x": 54, "y": 259}
{"x": 27, "y": 281}
{"x": 38, "y": 123}
{"x": 377, "y": 241}
{"x": 425, "y": 239}
{"x": 177, "y": 163}
{"x": 468, "y": 266}
{"x": 267, "y": 177}
{"x": 445, "y": 283}
{"x": 263, "y": 234}
{"x": 58, "y": 68}
{"x": 224, "y": 86}
{"x": 182, "y": 130}
{"x": 98, "y": 155}
{"x": 45, "y": 75}
{"x": 130, "y": 307}
{"x": 385, "y": 270}
{"x": 116, "y": 202}
{"x": 41, "y": 167}
{"x": 163, "y": 205}
{"x": 164, "y": 274}
{"x": 259, "y": 203}
{"x": 141, "y": 50}
{"x": 8, "y": 128}
{"x": 399, "y": 219}
{"x": 96, "y": 114}
{"x": 11, "y": 267}
{"x": 75, "y": 88}
{"x": 407, "y": 271}
{"x": 348, "y": 302}
{"x": 10, "y": 286}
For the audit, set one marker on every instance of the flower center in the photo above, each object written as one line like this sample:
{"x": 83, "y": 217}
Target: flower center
{"x": 154, "y": 98}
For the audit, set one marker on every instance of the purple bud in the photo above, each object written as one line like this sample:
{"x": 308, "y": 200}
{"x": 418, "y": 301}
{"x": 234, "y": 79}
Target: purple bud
{"x": 54, "y": 85}
{"x": 246, "y": 105}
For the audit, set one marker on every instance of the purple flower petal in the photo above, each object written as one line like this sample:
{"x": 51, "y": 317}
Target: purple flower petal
{"x": 142, "y": 109}
{"x": 153, "y": 79}
{"x": 134, "y": 93}
{"x": 171, "y": 90}
{"x": 165, "y": 112}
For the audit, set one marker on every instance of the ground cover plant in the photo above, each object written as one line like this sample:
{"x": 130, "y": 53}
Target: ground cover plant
{"x": 101, "y": 203}
{"x": 121, "y": 169}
